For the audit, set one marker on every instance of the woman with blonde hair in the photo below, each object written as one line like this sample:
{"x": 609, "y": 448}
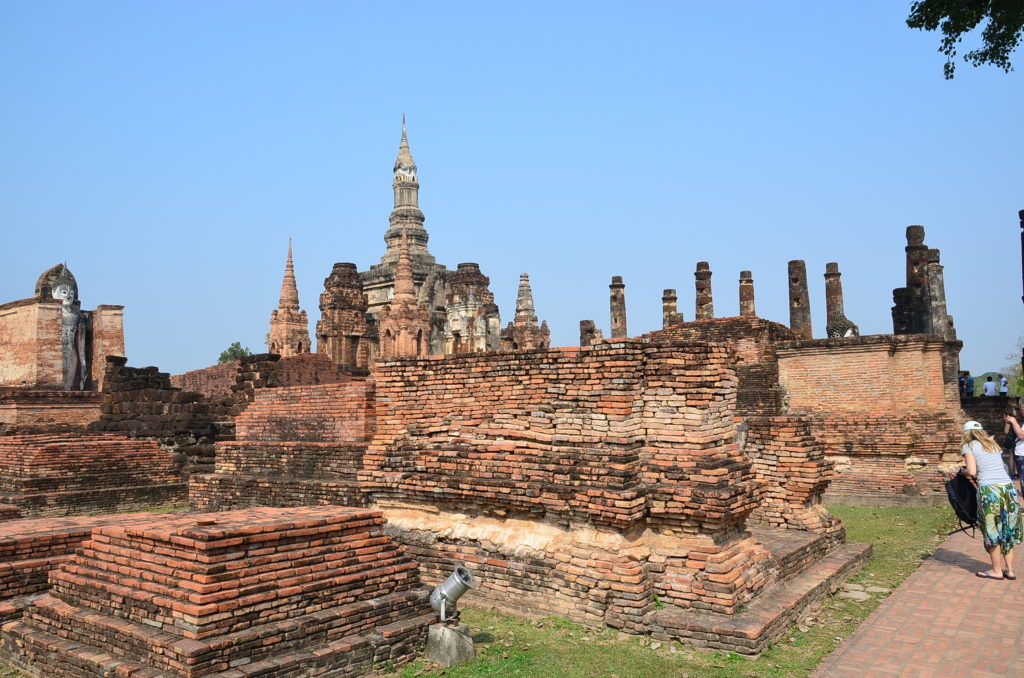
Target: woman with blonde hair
{"x": 998, "y": 512}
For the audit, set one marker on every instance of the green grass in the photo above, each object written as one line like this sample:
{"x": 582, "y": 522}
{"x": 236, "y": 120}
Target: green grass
{"x": 555, "y": 648}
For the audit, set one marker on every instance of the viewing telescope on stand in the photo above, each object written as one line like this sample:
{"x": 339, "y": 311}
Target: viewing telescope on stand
{"x": 449, "y": 642}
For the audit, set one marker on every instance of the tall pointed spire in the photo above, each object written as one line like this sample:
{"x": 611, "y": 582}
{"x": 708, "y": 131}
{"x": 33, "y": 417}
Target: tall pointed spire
{"x": 289, "y": 290}
{"x": 405, "y": 289}
{"x": 405, "y": 166}
{"x": 289, "y": 328}
{"x": 525, "y": 313}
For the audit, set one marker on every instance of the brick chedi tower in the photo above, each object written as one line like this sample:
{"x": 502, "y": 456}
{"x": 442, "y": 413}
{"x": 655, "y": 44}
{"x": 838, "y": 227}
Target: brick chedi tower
{"x": 404, "y": 325}
{"x": 289, "y": 328}
{"x": 343, "y": 332}
{"x": 524, "y": 333}
{"x": 471, "y": 322}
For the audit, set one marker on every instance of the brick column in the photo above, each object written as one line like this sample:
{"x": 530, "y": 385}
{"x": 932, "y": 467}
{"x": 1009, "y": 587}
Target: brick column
{"x": 618, "y": 307}
{"x": 799, "y": 303}
{"x": 669, "y": 309}
{"x": 833, "y": 292}
{"x": 747, "y": 294}
{"x": 705, "y": 306}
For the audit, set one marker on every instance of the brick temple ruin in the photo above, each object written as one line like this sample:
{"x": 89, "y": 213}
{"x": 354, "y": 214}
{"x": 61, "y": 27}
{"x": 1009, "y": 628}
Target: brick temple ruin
{"x": 670, "y": 483}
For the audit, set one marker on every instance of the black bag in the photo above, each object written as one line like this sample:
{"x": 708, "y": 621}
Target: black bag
{"x": 963, "y": 497}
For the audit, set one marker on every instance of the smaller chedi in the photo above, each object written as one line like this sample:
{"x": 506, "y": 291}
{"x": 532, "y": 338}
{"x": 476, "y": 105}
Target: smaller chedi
{"x": 48, "y": 341}
{"x": 289, "y": 327}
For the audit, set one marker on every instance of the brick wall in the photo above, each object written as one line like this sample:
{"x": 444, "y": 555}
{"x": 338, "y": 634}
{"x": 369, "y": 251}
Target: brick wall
{"x": 107, "y": 339}
{"x": 212, "y": 382}
{"x": 794, "y": 474}
{"x": 33, "y": 411}
{"x": 621, "y": 434}
{"x": 338, "y": 413}
{"x": 885, "y": 408}
{"x": 30, "y": 335}
{"x": 752, "y": 341}
{"x": 217, "y": 381}
{"x": 66, "y": 474}
{"x": 295, "y": 446}
{"x": 989, "y": 412}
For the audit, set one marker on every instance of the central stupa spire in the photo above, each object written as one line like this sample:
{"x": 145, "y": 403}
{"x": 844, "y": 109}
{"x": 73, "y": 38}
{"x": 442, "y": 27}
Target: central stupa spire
{"x": 406, "y": 217}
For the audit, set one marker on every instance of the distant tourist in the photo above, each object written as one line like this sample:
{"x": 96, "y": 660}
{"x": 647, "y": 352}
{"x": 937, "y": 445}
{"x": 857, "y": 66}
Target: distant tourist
{"x": 970, "y": 385}
{"x": 1014, "y": 439}
{"x": 990, "y": 388}
{"x": 963, "y": 384}
{"x": 998, "y": 512}
{"x": 1004, "y": 387}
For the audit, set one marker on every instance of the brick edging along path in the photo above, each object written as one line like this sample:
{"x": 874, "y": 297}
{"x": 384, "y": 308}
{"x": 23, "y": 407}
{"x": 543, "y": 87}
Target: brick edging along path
{"x": 941, "y": 621}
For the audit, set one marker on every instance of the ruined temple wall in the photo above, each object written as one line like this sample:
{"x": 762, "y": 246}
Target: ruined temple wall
{"x": 873, "y": 375}
{"x": 214, "y": 381}
{"x": 753, "y": 342}
{"x": 337, "y": 413}
{"x": 884, "y": 407}
{"x": 631, "y": 441}
{"x": 29, "y": 410}
{"x": 107, "y": 339}
{"x": 30, "y": 335}
{"x": 794, "y": 473}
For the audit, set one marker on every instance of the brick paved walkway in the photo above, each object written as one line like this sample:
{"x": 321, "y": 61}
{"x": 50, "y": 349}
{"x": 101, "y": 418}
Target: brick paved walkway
{"x": 943, "y": 621}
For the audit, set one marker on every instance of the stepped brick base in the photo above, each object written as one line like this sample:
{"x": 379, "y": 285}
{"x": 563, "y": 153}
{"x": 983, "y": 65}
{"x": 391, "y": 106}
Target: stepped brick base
{"x": 769, "y": 615}
{"x": 313, "y": 591}
{"x": 31, "y": 548}
{"x": 68, "y": 474}
{"x": 601, "y": 576}
{"x": 9, "y": 512}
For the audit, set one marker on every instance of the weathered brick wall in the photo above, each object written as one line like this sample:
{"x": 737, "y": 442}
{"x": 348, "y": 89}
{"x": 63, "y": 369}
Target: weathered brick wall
{"x": 339, "y": 413}
{"x": 879, "y": 374}
{"x": 217, "y": 381}
{"x": 107, "y": 339}
{"x": 313, "y": 368}
{"x": 794, "y": 474}
{"x": 66, "y": 474}
{"x": 33, "y": 411}
{"x": 30, "y": 336}
{"x": 989, "y": 412}
{"x": 309, "y": 590}
{"x": 212, "y": 382}
{"x": 753, "y": 342}
{"x": 621, "y": 434}
{"x": 141, "y": 403}
{"x": 885, "y": 408}
{"x": 296, "y": 446}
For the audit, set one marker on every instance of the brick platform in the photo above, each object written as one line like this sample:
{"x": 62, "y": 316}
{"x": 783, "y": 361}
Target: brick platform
{"x": 771, "y": 614}
{"x": 67, "y": 474}
{"x": 264, "y": 592}
{"x": 31, "y": 548}
{"x": 39, "y": 411}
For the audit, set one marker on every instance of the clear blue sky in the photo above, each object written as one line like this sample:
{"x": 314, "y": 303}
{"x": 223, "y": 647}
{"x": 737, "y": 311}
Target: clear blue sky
{"x": 167, "y": 150}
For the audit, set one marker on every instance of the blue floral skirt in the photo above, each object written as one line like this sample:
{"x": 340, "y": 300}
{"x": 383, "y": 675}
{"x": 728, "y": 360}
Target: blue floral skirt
{"x": 999, "y": 516}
